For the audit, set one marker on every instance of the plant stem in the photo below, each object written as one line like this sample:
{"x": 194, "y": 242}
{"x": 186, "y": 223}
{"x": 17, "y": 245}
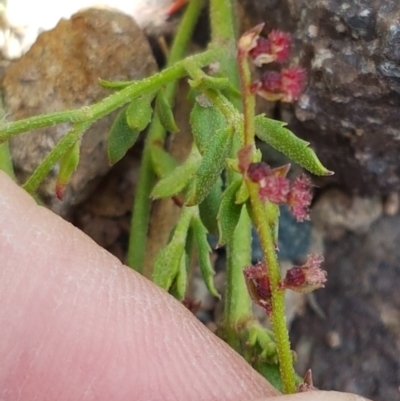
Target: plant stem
{"x": 112, "y": 102}
{"x": 6, "y": 164}
{"x": 248, "y": 98}
{"x": 278, "y": 319}
{"x": 155, "y": 136}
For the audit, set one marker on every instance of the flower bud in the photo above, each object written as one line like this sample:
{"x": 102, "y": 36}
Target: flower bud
{"x": 306, "y": 278}
{"x": 285, "y": 85}
{"x": 273, "y": 184}
{"x": 307, "y": 384}
{"x": 249, "y": 39}
{"x": 274, "y": 48}
{"x": 258, "y": 285}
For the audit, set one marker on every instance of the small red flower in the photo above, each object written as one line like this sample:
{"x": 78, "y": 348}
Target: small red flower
{"x": 292, "y": 83}
{"x": 258, "y": 285}
{"x": 273, "y": 184}
{"x": 285, "y": 86}
{"x": 306, "y": 278}
{"x": 300, "y": 197}
{"x": 275, "y": 48}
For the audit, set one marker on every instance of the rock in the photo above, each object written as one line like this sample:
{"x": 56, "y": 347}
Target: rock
{"x": 61, "y": 72}
{"x": 356, "y": 347}
{"x": 335, "y": 212}
{"x": 349, "y": 110}
{"x": 22, "y": 21}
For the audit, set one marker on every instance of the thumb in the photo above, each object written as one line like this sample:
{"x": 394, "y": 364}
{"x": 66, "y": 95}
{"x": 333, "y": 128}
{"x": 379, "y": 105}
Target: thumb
{"x": 76, "y": 324}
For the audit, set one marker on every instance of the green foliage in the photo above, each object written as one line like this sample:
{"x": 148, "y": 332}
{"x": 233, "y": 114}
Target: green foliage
{"x": 275, "y": 134}
{"x": 210, "y": 206}
{"x": 165, "y": 113}
{"x": 174, "y": 182}
{"x": 203, "y": 254}
{"x": 171, "y": 260}
{"x": 122, "y": 137}
{"x": 211, "y": 166}
{"x": 162, "y": 162}
{"x": 68, "y": 164}
{"x": 139, "y": 112}
{"x": 229, "y": 213}
{"x": 205, "y": 122}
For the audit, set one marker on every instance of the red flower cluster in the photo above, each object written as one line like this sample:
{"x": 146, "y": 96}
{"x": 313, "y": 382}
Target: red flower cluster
{"x": 306, "y": 278}
{"x": 285, "y": 85}
{"x": 275, "y": 187}
{"x": 274, "y": 48}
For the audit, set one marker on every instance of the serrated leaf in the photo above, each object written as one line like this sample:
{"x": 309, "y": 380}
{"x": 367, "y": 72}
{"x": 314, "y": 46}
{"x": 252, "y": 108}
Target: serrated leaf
{"x": 205, "y": 122}
{"x": 121, "y": 138}
{"x": 139, "y": 112}
{"x": 68, "y": 164}
{"x": 178, "y": 179}
{"x": 208, "y": 209}
{"x": 165, "y": 113}
{"x": 203, "y": 254}
{"x": 161, "y": 161}
{"x": 275, "y": 134}
{"x": 229, "y": 213}
{"x": 167, "y": 264}
{"x": 211, "y": 166}
{"x": 179, "y": 286}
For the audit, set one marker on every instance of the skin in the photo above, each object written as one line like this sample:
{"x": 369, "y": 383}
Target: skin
{"x": 75, "y": 324}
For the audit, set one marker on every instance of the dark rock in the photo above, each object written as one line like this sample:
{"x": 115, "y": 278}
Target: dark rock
{"x": 356, "y": 347}
{"x": 60, "y": 72}
{"x": 349, "y": 110}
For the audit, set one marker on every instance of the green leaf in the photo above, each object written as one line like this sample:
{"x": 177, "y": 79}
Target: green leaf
{"x": 68, "y": 164}
{"x": 242, "y": 194}
{"x": 165, "y": 113}
{"x": 209, "y": 208}
{"x": 167, "y": 264}
{"x": 178, "y": 179}
{"x": 139, "y": 112}
{"x": 121, "y": 138}
{"x": 229, "y": 213}
{"x": 271, "y": 372}
{"x": 162, "y": 162}
{"x": 114, "y": 84}
{"x": 179, "y": 286}
{"x": 205, "y": 122}
{"x": 211, "y": 166}
{"x": 203, "y": 254}
{"x": 275, "y": 134}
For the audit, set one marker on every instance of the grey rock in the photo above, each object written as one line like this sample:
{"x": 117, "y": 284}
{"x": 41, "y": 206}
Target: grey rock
{"x": 349, "y": 110}
{"x": 61, "y": 72}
